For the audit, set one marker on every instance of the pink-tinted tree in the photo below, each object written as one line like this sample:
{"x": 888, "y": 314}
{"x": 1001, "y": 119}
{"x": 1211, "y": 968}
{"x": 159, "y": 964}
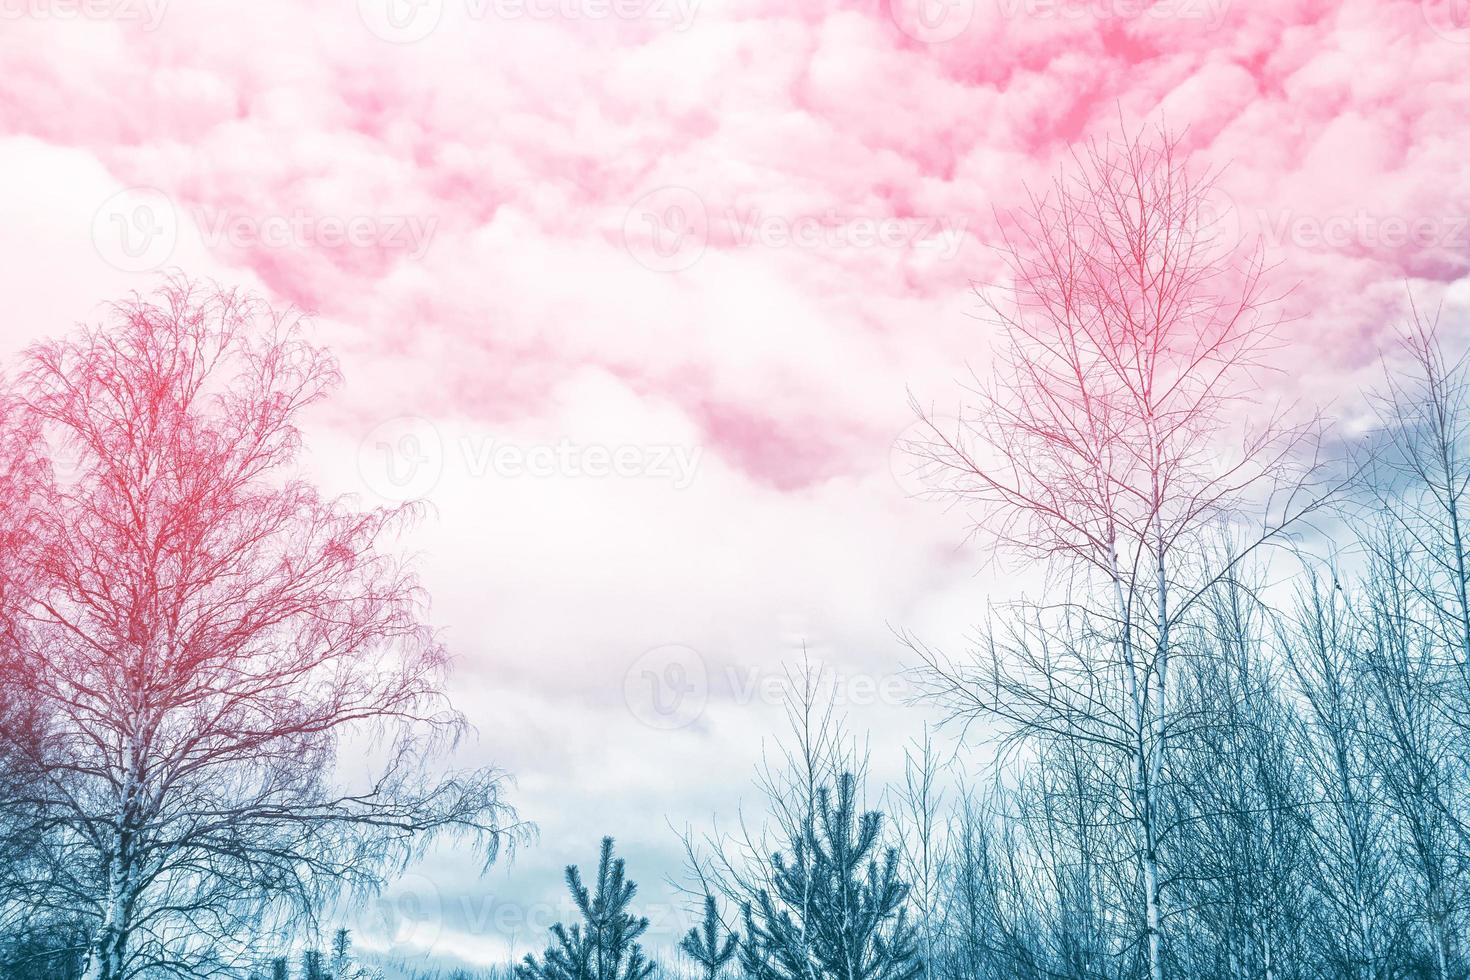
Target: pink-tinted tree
{"x": 202, "y": 632}
{"x": 1111, "y": 443}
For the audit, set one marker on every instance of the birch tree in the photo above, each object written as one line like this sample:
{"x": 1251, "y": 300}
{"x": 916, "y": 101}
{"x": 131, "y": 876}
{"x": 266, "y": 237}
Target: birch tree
{"x": 202, "y": 632}
{"x": 1414, "y": 656}
{"x": 1108, "y": 443}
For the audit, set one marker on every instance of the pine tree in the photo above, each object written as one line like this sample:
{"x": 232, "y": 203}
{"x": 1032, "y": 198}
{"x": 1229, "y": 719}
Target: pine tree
{"x": 604, "y": 946}
{"x": 837, "y": 912}
{"x": 313, "y": 965}
{"x": 705, "y": 947}
{"x": 341, "y": 952}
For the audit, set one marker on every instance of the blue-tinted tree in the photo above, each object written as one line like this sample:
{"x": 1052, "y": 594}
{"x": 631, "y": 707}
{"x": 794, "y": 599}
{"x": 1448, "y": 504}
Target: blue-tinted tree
{"x": 313, "y": 965}
{"x": 835, "y": 908}
{"x": 705, "y": 946}
{"x": 604, "y": 946}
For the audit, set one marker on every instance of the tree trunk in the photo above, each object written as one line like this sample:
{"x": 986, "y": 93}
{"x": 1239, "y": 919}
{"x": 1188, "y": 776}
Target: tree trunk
{"x": 109, "y": 948}
{"x": 1143, "y": 791}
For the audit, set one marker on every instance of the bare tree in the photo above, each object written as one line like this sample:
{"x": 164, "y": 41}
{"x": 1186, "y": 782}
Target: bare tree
{"x": 1406, "y": 675}
{"x": 1239, "y": 857}
{"x": 923, "y": 842}
{"x": 1354, "y": 877}
{"x": 1109, "y": 445}
{"x": 202, "y": 632}
{"x": 1040, "y": 885}
{"x": 1414, "y": 655}
{"x": 1420, "y": 475}
{"x": 816, "y": 751}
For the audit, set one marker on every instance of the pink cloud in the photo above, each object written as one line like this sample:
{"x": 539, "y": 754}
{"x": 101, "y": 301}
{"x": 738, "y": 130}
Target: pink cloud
{"x": 473, "y": 216}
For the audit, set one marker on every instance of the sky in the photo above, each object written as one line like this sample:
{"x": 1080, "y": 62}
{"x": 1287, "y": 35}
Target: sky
{"x": 635, "y": 293}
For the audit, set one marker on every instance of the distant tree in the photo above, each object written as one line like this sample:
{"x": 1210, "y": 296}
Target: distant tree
{"x": 280, "y": 969}
{"x": 47, "y": 947}
{"x": 604, "y": 946}
{"x": 341, "y": 952}
{"x": 837, "y": 909}
{"x": 705, "y": 946}
{"x": 1419, "y": 657}
{"x": 1419, "y": 479}
{"x": 313, "y": 965}
{"x": 922, "y": 831}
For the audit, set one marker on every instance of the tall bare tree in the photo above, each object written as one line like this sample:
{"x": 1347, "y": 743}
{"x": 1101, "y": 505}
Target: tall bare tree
{"x": 1420, "y": 474}
{"x": 1355, "y": 930}
{"x": 1414, "y": 655}
{"x": 1110, "y": 443}
{"x": 202, "y": 632}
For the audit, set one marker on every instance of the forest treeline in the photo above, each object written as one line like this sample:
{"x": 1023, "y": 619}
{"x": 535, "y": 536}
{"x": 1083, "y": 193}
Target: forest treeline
{"x": 1224, "y": 732}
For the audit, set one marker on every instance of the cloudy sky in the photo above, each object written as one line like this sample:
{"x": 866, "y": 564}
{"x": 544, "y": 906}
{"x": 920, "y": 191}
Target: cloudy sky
{"x": 634, "y": 293}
